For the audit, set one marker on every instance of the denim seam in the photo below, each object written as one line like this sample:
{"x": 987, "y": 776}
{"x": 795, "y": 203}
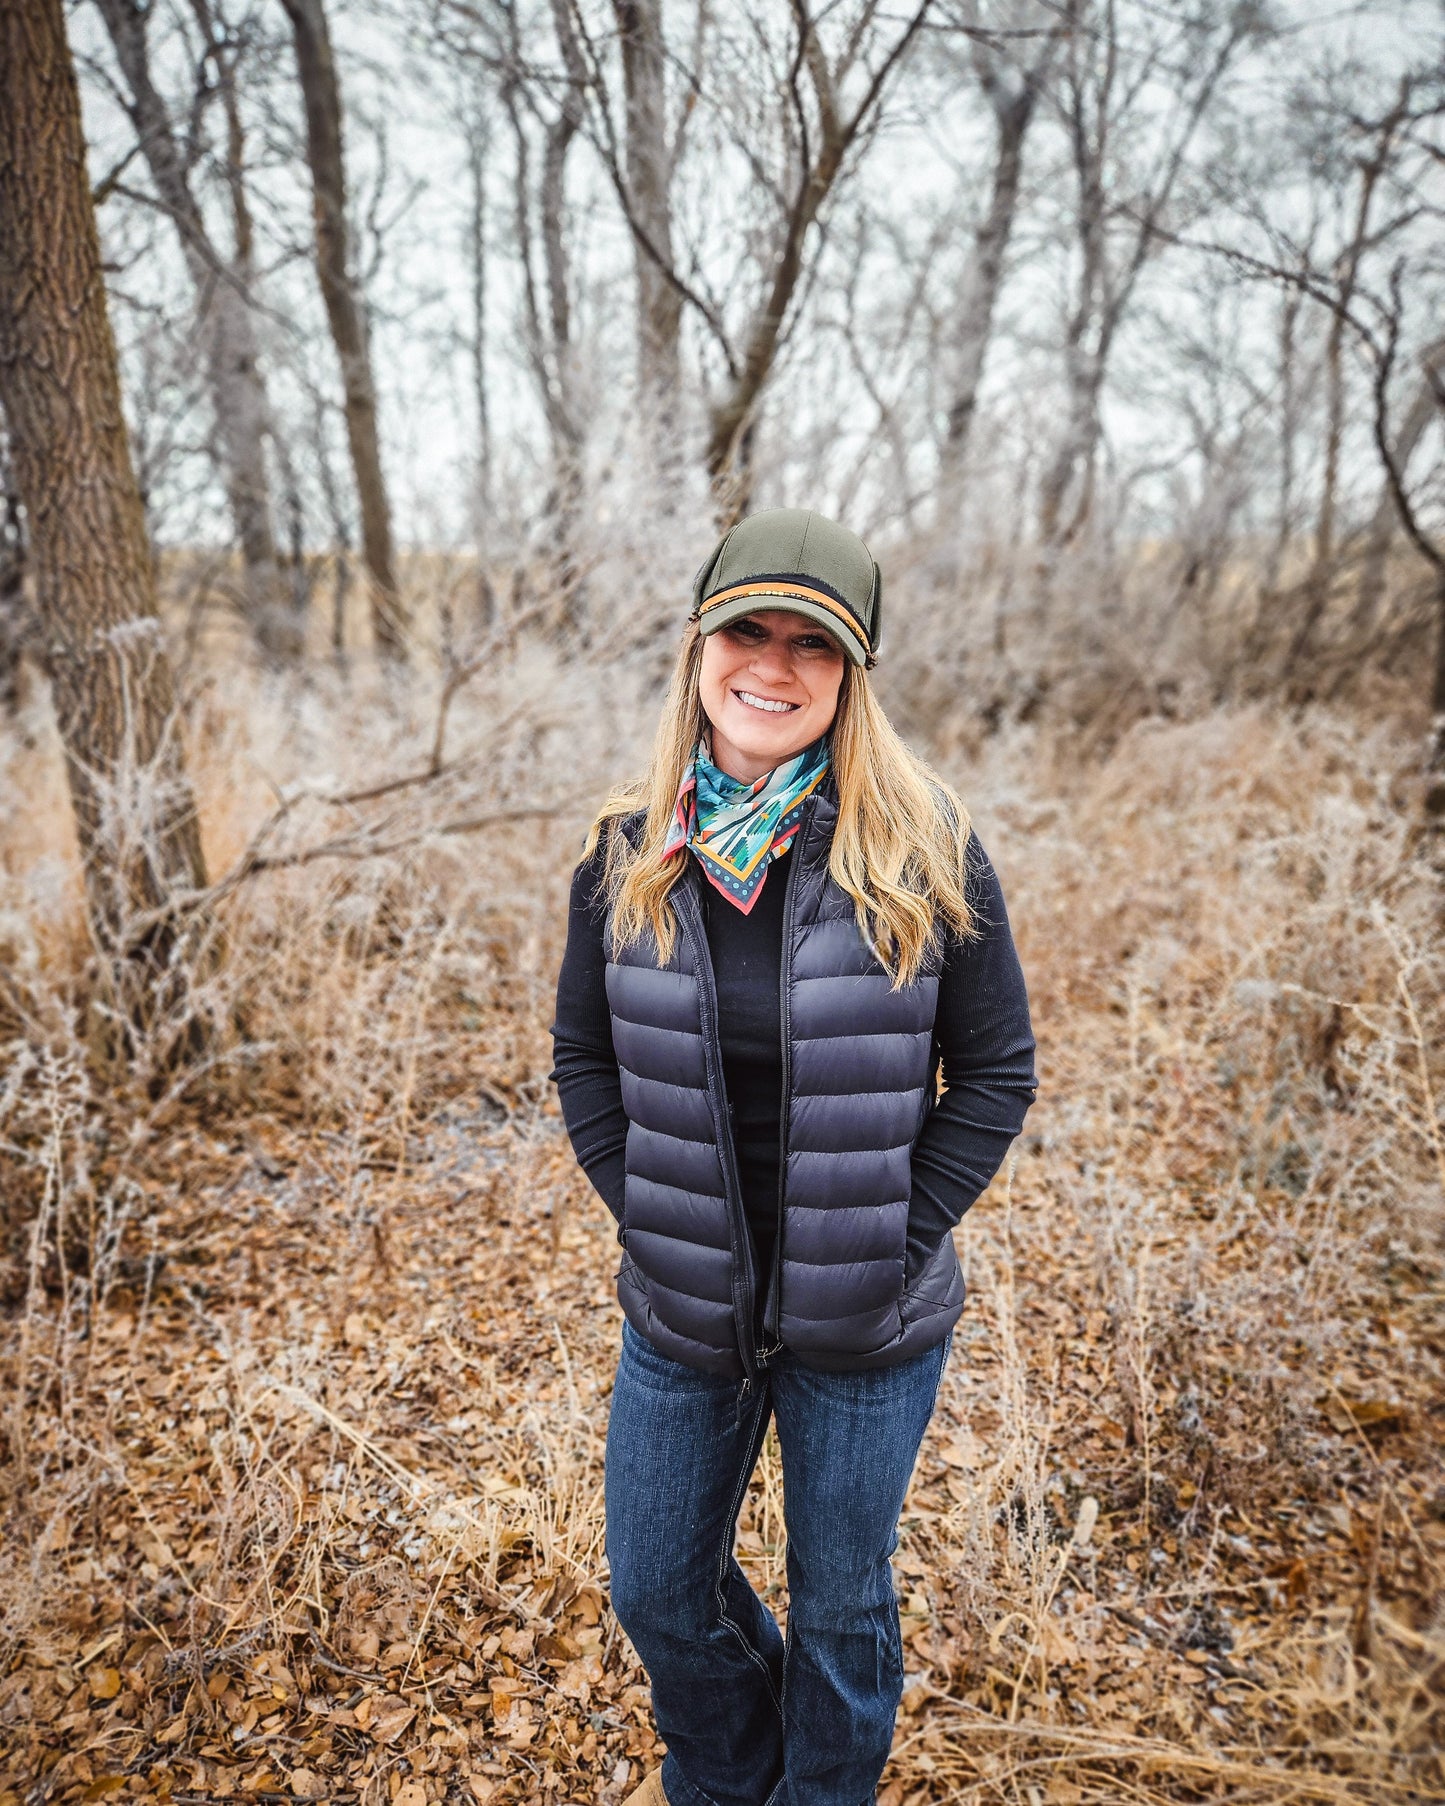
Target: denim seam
{"x": 755, "y": 1441}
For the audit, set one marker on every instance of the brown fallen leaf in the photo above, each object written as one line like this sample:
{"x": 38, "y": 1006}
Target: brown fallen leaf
{"x": 389, "y": 1718}
{"x": 105, "y": 1683}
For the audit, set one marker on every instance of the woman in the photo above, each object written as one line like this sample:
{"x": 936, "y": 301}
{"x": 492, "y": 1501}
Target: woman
{"x": 747, "y": 1060}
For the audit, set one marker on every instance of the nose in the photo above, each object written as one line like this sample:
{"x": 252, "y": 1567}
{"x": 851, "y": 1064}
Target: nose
{"x": 772, "y": 662}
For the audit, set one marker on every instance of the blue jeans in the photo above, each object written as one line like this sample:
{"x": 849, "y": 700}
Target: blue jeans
{"x": 750, "y": 1719}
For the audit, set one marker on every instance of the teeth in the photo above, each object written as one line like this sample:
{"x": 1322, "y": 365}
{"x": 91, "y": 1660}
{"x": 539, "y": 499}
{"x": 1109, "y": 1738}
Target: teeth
{"x": 758, "y": 702}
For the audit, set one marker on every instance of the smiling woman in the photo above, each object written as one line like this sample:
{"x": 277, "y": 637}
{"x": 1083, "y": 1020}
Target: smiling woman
{"x": 747, "y": 1055}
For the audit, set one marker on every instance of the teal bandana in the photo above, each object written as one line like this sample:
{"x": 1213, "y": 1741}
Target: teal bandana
{"x": 737, "y": 829}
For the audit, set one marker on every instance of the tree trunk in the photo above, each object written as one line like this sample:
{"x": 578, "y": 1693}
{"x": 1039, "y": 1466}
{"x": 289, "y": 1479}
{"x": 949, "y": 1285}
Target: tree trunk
{"x": 1013, "y": 111}
{"x": 233, "y": 366}
{"x": 554, "y": 352}
{"x": 321, "y": 93}
{"x": 649, "y": 183}
{"x": 14, "y": 622}
{"x": 1427, "y": 404}
{"x": 94, "y": 579}
{"x": 1435, "y": 758}
{"x": 478, "y": 149}
{"x": 732, "y": 422}
{"x": 1065, "y": 492}
{"x": 980, "y": 295}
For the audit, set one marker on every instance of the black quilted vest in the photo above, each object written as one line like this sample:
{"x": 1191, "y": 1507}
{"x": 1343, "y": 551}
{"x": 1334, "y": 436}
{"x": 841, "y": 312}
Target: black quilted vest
{"x": 859, "y": 1069}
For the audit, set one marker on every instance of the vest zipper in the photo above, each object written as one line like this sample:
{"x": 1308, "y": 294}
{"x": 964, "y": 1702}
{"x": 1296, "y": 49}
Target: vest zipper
{"x": 744, "y": 1288}
{"x": 773, "y": 1302}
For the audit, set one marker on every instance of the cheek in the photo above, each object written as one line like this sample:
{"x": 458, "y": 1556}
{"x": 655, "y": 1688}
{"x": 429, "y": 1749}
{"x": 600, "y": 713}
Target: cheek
{"x": 713, "y": 669}
{"x": 825, "y": 690}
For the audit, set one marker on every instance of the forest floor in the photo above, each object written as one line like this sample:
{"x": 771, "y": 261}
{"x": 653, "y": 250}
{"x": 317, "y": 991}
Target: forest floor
{"x": 304, "y": 1475}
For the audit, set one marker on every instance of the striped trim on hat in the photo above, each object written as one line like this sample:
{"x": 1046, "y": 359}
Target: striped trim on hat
{"x": 784, "y": 586}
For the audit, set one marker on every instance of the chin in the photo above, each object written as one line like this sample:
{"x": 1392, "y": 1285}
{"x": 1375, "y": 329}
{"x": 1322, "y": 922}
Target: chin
{"x": 767, "y": 739}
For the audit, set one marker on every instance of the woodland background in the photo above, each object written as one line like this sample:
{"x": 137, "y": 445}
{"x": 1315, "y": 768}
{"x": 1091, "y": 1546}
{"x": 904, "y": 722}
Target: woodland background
{"x": 373, "y": 379}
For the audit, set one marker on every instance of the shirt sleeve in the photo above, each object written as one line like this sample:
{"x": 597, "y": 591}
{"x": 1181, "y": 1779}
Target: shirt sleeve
{"x": 987, "y": 1046}
{"x": 584, "y": 1065}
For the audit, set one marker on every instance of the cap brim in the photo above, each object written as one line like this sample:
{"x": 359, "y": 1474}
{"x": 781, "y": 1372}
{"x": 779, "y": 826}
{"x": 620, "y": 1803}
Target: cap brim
{"x": 722, "y": 612}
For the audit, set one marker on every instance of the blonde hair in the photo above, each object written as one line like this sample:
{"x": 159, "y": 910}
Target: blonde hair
{"x": 899, "y": 846}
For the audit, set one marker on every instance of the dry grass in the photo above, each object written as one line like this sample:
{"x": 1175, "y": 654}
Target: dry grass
{"x": 306, "y": 1366}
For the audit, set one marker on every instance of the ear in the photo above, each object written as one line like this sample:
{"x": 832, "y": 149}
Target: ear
{"x": 700, "y": 582}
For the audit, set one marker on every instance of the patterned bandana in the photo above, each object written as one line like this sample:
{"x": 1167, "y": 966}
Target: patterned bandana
{"x": 738, "y": 829}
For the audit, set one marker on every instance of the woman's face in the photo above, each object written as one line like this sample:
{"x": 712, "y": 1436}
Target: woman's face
{"x": 772, "y": 657}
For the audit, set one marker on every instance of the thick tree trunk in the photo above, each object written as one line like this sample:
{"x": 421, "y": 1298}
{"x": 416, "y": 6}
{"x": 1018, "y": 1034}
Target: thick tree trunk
{"x": 1435, "y": 770}
{"x": 321, "y": 93}
{"x": 14, "y": 621}
{"x": 93, "y": 574}
{"x": 649, "y": 184}
{"x": 233, "y": 365}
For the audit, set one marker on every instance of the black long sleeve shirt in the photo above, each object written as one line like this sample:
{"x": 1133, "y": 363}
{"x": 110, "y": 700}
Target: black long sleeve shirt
{"x": 981, "y": 1030}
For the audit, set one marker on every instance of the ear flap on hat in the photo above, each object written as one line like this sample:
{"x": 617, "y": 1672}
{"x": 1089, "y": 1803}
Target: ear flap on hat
{"x": 700, "y": 582}
{"x": 876, "y": 626}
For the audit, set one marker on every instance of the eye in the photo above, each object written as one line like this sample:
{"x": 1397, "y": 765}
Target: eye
{"x": 817, "y": 645}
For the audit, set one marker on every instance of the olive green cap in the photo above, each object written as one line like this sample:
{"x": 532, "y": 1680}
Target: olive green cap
{"x": 792, "y": 558}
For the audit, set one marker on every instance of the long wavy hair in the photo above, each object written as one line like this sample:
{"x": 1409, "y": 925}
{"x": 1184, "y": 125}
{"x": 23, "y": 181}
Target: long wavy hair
{"x": 899, "y": 846}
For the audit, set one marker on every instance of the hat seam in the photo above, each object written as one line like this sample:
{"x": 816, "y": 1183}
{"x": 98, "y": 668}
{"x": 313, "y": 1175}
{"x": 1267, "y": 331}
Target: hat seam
{"x": 779, "y": 586}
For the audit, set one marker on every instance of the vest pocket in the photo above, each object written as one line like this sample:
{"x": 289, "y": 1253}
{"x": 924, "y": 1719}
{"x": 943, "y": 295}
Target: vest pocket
{"x": 937, "y": 1287}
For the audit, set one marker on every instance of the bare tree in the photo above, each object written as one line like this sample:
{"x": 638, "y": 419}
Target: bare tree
{"x": 476, "y": 127}
{"x": 1426, "y": 407}
{"x": 819, "y": 147}
{"x": 819, "y": 132}
{"x": 1428, "y": 541}
{"x": 654, "y": 148}
{"x": 222, "y": 288}
{"x": 1120, "y": 213}
{"x": 542, "y": 237}
{"x": 541, "y": 99}
{"x": 345, "y": 309}
{"x": 93, "y": 573}
{"x": 1318, "y": 582}
{"x": 1011, "y": 62}
{"x": 1374, "y": 309}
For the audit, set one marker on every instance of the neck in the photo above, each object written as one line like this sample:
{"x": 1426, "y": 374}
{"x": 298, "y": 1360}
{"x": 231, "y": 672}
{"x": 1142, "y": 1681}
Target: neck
{"x": 737, "y": 764}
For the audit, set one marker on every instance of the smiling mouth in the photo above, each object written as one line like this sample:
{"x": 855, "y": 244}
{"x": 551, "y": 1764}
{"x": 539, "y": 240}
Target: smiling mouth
{"x": 765, "y": 705}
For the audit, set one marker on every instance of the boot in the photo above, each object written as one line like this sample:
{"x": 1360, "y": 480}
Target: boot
{"x": 650, "y": 1793}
